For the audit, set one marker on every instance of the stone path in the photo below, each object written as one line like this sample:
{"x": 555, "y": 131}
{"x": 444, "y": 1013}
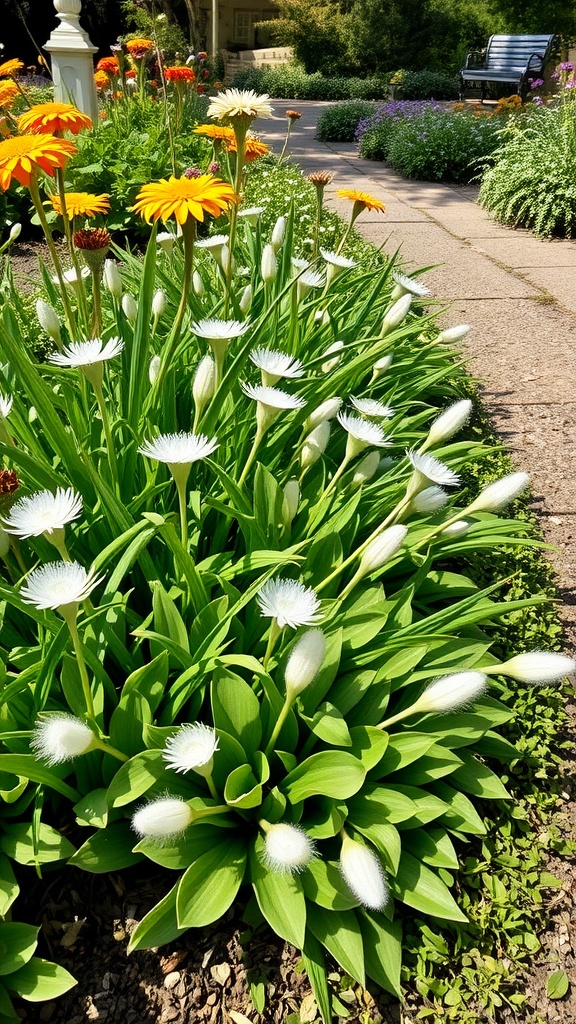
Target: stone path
{"x": 518, "y": 293}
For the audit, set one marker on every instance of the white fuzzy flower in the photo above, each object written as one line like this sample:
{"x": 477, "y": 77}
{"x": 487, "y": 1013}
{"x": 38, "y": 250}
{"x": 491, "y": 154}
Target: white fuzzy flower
{"x": 59, "y": 738}
{"x": 58, "y": 584}
{"x": 299, "y": 264}
{"x": 304, "y": 661}
{"x": 409, "y": 284}
{"x": 427, "y": 468}
{"x": 361, "y": 434}
{"x": 397, "y": 313}
{"x": 273, "y": 398}
{"x": 167, "y": 816}
{"x": 287, "y": 848}
{"x": 252, "y": 214}
{"x": 363, "y": 874}
{"x": 219, "y": 330}
{"x": 458, "y": 529}
{"x": 129, "y": 308}
{"x": 450, "y": 692}
{"x": 308, "y": 280}
{"x": 371, "y": 408}
{"x": 86, "y": 353}
{"x": 315, "y": 444}
{"x": 366, "y": 469}
{"x": 331, "y": 364}
{"x": 112, "y": 279}
{"x": 449, "y": 422}
{"x": 70, "y": 277}
{"x": 454, "y": 334}
{"x": 536, "y": 667}
{"x": 278, "y": 233}
{"x": 431, "y": 499}
{"x": 380, "y": 550}
{"x": 328, "y": 410}
{"x": 243, "y": 104}
{"x": 269, "y": 264}
{"x": 6, "y": 403}
{"x": 275, "y": 364}
{"x": 43, "y": 512}
{"x": 48, "y": 320}
{"x": 192, "y": 748}
{"x": 179, "y": 449}
{"x": 499, "y": 494}
{"x": 290, "y": 602}
{"x": 213, "y": 243}
{"x": 336, "y": 264}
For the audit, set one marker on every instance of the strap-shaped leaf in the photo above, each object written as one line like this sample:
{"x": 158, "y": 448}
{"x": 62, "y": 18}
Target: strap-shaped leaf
{"x": 420, "y": 888}
{"x": 382, "y": 950}
{"x": 280, "y": 898}
{"x": 209, "y": 886}
{"x": 109, "y": 849}
{"x": 335, "y": 774}
{"x": 340, "y": 933}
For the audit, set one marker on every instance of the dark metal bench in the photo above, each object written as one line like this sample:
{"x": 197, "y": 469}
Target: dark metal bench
{"x": 507, "y": 60}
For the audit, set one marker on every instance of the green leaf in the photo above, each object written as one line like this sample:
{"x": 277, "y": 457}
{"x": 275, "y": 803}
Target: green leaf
{"x": 339, "y": 932}
{"x": 329, "y": 725}
{"x": 557, "y": 985}
{"x": 280, "y": 898}
{"x": 149, "y": 680}
{"x": 109, "y": 849}
{"x": 418, "y": 887}
{"x": 135, "y": 777}
{"x": 9, "y": 887}
{"x": 179, "y": 855}
{"x": 17, "y": 945}
{"x": 92, "y": 809}
{"x": 39, "y": 980}
{"x": 167, "y": 619}
{"x": 236, "y": 709}
{"x": 242, "y": 789}
{"x": 28, "y": 767}
{"x": 330, "y": 773}
{"x": 315, "y": 967}
{"x": 386, "y": 839}
{"x": 127, "y": 723}
{"x": 209, "y": 886}
{"x": 460, "y": 814}
{"x": 382, "y": 950}
{"x": 437, "y": 763}
{"x": 475, "y": 778}
{"x": 26, "y": 845}
{"x": 380, "y": 804}
{"x": 159, "y": 926}
{"x": 323, "y": 884}
{"x": 403, "y": 749}
{"x": 433, "y": 846}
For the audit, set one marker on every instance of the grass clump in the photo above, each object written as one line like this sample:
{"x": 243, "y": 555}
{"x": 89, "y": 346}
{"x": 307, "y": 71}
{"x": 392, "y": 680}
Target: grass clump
{"x": 340, "y": 123}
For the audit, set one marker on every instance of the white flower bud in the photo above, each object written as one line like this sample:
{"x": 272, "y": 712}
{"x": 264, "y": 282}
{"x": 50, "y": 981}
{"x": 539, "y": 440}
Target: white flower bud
{"x": 331, "y": 364}
{"x": 154, "y": 369}
{"x": 450, "y": 692}
{"x": 396, "y": 314}
{"x": 225, "y": 259}
{"x": 158, "y": 304}
{"x": 269, "y": 264}
{"x": 499, "y": 494}
{"x": 197, "y": 285}
{"x": 381, "y": 366}
{"x": 458, "y": 529}
{"x": 363, "y": 874}
{"x": 204, "y": 382}
{"x": 15, "y": 232}
{"x": 315, "y": 444}
{"x": 167, "y": 816}
{"x": 246, "y": 299}
{"x": 290, "y": 501}
{"x": 454, "y": 334}
{"x": 287, "y": 848}
{"x": 381, "y": 549}
{"x": 328, "y": 410}
{"x": 48, "y": 319}
{"x": 429, "y": 500}
{"x": 278, "y": 233}
{"x": 60, "y": 738}
{"x": 366, "y": 469}
{"x": 112, "y": 279}
{"x": 535, "y": 667}
{"x": 130, "y": 308}
{"x": 165, "y": 239}
{"x": 304, "y": 661}
{"x": 449, "y": 422}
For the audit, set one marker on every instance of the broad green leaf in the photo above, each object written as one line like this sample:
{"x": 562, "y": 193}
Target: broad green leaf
{"x": 428, "y": 805}
{"x": 40, "y": 980}
{"x": 386, "y": 839}
{"x": 340, "y": 932}
{"x": 242, "y": 789}
{"x": 159, "y": 926}
{"x": 149, "y": 680}
{"x": 236, "y": 709}
{"x": 17, "y": 945}
{"x": 92, "y": 809}
{"x": 323, "y": 884}
{"x": 136, "y": 777}
{"x": 380, "y": 804}
{"x": 329, "y": 725}
{"x": 209, "y": 886}
{"x": 25, "y": 846}
{"x": 109, "y": 849}
{"x": 368, "y": 745}
{"x": 28, "y": 767}
{"x": 420, "y": 888}
{"x": 475, "y": 778}
{"x": 325, "y": 818}
{"x": 280, "y": 898}
{"x": 433, "y": 846}
{"x": 315, "y": 966}
{"x": 382, "y": 950}
{"x": 9, "y": 887}
{"x": 330, "y": 773}
{"x": 436, "y": 764}
{"x": 127, "y": 723}
{"x": 177, "y": 856}
{"x": 460, "y": 815}
{"x": 403, "y": 748}
{"x": 456, "y": 728}
{"x": 557, "y": 985}
{"x": 167, "y": 619}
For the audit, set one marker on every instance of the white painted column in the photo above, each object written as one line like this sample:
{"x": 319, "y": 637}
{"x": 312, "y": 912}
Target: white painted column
{"x": 215, "y": 43}
{"x": 72, "y": 67}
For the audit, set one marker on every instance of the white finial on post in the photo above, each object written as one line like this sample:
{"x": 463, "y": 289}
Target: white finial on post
{"x": 71, "y": 51}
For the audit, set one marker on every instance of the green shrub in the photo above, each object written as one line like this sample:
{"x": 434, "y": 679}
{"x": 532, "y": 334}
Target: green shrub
{"x": 339, "y": 123}
{"x": 291, "y": 81}
{"x": 429, "y": 85}
{"x": 442, "y": 146}
{"x": 531, "y": 183}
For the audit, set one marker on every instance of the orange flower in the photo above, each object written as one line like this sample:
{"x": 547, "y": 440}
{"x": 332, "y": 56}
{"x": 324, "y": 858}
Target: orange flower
{"x": 101, "y": 80}
{"x": 254, "y": 148}
{"x": 10, "y": 68}
{"x": 138, "y": 47}
{"x": 109, "y": 64}
{"x": 365, "y": 201}
{"x": 216, "y": 131}
{"x": 22, "y": 155}
{"x": 82, "y": 204}
{"x": 179, "y": 74}
{"x": 49, "y": 118}
{"x": 8, "y": 93}
{"x": 130, "y": 75}
{"x": 183, "y": 198}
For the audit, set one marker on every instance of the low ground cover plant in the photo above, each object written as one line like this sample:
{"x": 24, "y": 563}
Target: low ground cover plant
{"x": 237, "y": 640}
{"x": 292, "y": 81}
{"x": 340, "y": 122}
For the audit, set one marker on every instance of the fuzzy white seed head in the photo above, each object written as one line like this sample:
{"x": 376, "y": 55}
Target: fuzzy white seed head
{"x": 167, "y": 816}
{"x": 48, "y": 319}
{"x": 363, "y": 874}
{"x": 305, "y": 661}
{"x": 454, "y": 334}
{"x": 129, "y": 307}
{"x": 458, "y": 529}
{"x": 269, "y": 264}
{"x": 191, "y": 749}
{"x": 287, "y": 848}
{"x": 59, "y": 738}
{"x": 382, "y": 549}
{"x": 397, "y": 313}
{"x": 499, "y": 494}
{"x": 112, "y": 279}
{"x": 537, "y": 667}
{"x": 328, "y": 410}
{"x": 315, "y": 444}
{"x": 449, "y": 422}
{"x": 451, "y": 692}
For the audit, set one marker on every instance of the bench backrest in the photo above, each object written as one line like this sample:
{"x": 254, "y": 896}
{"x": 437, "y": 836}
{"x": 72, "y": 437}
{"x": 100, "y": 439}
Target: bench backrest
{"x": 515, "y": 51}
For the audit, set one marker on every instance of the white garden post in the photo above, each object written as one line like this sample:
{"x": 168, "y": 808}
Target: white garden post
{"x": 71, "y": 51}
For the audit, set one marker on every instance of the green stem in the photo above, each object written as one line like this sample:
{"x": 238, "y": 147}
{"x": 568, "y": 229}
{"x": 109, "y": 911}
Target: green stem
{"x": 56, "y": 538}
{"x": 279, "y": 723}
{"x": 109, "y": 749}
{"x": 69, "y": 613}
{"x": 189, "y": 236}
{"x": 285, "y": 146}
{"x": 251, "y": 457}
{"x": 275, "y": 632}
{"x": 341, "y": 469}
{"x": 96, "y": 305}
{"x": 213, "y": 791}
{"x": 111, "y": 451}
{"x": 37, "y": 202}
{"x": 395, "y": 718}
{"x": 357, "y": 553}
{"x": 183, "y": 507}
{"x": 240, "y": 133}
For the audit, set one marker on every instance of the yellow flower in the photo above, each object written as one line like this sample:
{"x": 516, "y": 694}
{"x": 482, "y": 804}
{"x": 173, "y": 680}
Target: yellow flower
{"x": 101, "y": 80}
{"x": 24, "y": 154}
{"x": 8, "y": 93}
{"x": 138, "y": 47}
{"x": 82, "y": 204}
{"x": 216, "y": 131}
{"x": 253, "y": 148}
{"x": 49, "y": 118}
{"x": 183, "y": 198}
{"x": 10, "y": 67}
{"x": 366, "y": 201}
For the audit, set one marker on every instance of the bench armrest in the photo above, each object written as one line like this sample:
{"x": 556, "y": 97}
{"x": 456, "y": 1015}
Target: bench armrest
{"x": 530, "y": 65}
{"x": 475, "y": 59}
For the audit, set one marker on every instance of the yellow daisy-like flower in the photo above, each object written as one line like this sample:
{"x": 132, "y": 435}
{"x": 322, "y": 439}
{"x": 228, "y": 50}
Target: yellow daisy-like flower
{"x": 216, "y": 131}
{"x": 82, "y": 204}
{"x": 362, "y": 198}
{"x": 137, "y": 47}
{"x": 8, "y": 93}
{"x": 101, "y": 80}
{"x": 24, "y": 154}
{"x": 183, "y": 198}
{"x": 49, "y": 118}
{"x": 10, "y": 67}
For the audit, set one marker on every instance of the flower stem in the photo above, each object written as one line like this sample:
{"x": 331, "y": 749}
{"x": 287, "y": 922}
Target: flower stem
{"x": 251, "y": 457}
{"x": 69, "y": 613}
{"x": 213, "y": 791}
{"x": 275, "y": 632}
{"x": 71, "y": 250}
{"x": 359, "y": 550}
{"x": 107, "y": 748}
{"x": 37, "y": 202}
{"x": 183, "y": 507}
{"x": 279, "y": 723}
{"x": 112, "y": 461}
{"x": 189, "y": 236}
